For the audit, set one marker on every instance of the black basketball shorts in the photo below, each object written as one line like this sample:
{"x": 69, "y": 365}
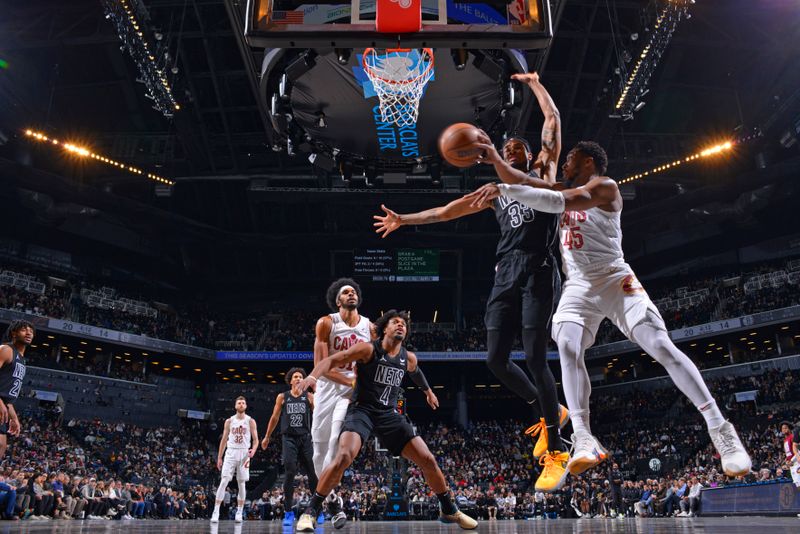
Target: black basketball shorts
{"x": 297, "y": 448}
{"x": 526, "y": 288}
{"x": 393, "y": 430}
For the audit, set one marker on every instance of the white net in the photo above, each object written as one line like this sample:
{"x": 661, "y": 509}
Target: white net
{"x": 399, "y": 78}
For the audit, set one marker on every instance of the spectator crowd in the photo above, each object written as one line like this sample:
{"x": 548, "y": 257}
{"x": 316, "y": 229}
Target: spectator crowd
{"x": 291, "y": 330}
{"x": 111, "y": 470}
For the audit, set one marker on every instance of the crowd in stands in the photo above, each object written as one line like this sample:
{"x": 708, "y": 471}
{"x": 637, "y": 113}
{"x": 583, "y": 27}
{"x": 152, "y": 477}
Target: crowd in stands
{"x": 95, "y": 469}
{"x": 194, "y": 324}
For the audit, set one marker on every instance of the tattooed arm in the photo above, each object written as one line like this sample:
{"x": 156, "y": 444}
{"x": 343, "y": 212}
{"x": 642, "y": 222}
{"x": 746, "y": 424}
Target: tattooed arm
{"x": 546, "y": 162}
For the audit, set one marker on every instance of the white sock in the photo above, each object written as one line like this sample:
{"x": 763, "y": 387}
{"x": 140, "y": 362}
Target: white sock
{"x": 580, "y": 421}
{"x": 712, "y": 414}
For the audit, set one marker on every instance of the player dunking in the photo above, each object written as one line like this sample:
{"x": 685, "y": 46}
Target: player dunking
{"x": 238, "y": 443}
{"x": 526, "y": 277}
{"x": 18, "y": 337}
{"x": 335, "y": 332}
{"x": 601, "y": 284}
{"x": 293, "y": 409}
{"x": 381, "y": 366}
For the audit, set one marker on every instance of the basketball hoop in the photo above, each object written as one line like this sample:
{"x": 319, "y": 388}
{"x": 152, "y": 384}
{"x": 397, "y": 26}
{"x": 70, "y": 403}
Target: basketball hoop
{"x": 399, "y": 77}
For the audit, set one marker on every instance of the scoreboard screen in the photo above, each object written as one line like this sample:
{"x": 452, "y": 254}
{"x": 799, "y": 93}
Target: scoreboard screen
{"x": 400, "y": 265}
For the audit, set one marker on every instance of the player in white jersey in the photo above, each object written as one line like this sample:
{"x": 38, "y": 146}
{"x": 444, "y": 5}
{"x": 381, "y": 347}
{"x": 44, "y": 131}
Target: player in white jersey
{"x": 238, "y": 444}
{"x": 601, "y": 284}
{"x": 336, "y": 332}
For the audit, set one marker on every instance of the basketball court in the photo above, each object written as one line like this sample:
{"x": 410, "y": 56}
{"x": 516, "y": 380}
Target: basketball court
{"x": 738, "y": 525}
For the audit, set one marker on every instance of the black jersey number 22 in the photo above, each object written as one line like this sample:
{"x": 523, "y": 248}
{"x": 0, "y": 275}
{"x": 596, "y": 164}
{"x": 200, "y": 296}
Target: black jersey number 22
{"x": 15, "y": 388}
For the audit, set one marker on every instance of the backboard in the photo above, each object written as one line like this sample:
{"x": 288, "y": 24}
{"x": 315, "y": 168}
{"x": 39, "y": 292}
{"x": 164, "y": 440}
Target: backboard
{"x": 486, "y": 24}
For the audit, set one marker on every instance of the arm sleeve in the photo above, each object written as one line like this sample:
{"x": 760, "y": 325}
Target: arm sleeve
{"x": 543, "y": 200}
{"x": 419, "y": 379}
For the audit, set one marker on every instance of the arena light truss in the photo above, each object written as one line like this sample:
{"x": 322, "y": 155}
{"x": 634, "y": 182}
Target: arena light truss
{"x": 152, "y": 62}
{"x": 705, "y": 153}
{"x": 84, "y": 152}
{"x": 636, "y": 84}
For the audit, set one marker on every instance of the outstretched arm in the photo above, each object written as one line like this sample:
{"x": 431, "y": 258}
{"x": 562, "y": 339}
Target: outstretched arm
{"x": 391, "y": 221}
{"x": 506, "y": 172}
{"x": 599, "y": 191}
{"x": 547, "y": 160}
{"x": 360, "y": 352}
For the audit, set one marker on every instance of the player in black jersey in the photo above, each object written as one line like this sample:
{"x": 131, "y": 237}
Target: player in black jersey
{"x": 381, "y": 366}
{"x": 18, "y": 337}
{"x": 293, "y": 410}
{"x": 526, "y": 281}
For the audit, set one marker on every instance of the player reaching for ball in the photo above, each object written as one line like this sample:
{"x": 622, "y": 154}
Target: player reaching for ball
{"x": 601, "y": 284}
{"x": 525, "y": 283}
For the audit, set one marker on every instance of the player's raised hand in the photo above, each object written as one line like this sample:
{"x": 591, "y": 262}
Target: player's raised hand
{"x": 484, "y": 195}
{"x": 526, "y": 77}
{"x": 433, "y": 400}
{"x": 387, "y": 223}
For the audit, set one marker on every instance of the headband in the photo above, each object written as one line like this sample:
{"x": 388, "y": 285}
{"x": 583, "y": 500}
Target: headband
{"x": 341, "y": 290}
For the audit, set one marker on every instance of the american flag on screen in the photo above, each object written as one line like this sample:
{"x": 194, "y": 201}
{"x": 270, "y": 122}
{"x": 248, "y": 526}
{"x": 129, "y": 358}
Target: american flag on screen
{"x": 287, "y": 17}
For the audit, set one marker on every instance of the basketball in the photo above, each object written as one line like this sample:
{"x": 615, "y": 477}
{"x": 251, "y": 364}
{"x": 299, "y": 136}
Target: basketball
{"x": 457, "y": 144}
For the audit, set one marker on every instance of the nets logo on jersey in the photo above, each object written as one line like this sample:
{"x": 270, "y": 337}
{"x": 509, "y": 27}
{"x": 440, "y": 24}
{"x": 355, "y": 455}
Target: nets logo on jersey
{"x": 389, "y": 376}
{"x": 344, "y": 343}
{"x": 19, "y": 370}
{"x": 295, "y": 407}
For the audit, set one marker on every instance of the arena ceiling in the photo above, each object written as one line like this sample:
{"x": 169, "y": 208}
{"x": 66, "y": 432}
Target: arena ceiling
{"x": 729, "y": 72}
